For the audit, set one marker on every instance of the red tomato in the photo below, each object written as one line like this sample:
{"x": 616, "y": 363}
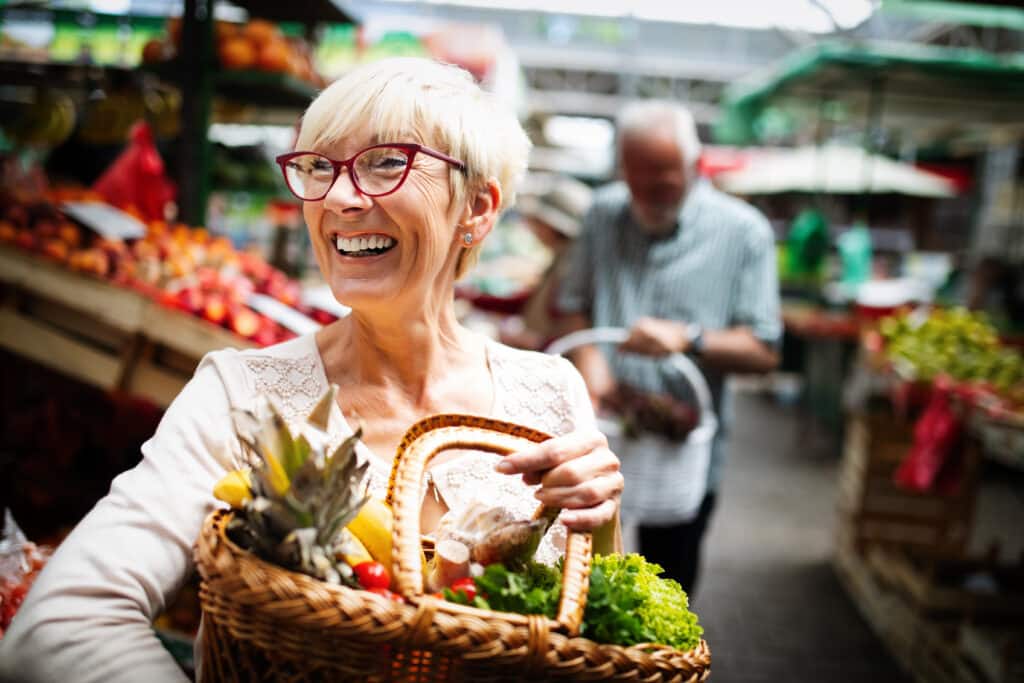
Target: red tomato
{"x": 384, "y": 592}
{"x": 372, "y": 575}
{"x": 465, "y": 585}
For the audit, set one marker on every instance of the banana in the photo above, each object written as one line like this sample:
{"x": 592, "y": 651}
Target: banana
{"x": 372, "y": 526}
{"x": 234, "y": 488}
{"x": 353, "y": 551}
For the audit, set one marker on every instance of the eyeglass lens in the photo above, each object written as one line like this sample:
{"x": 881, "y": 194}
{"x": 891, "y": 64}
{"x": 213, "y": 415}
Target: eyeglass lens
{"x": 377, "y": 170}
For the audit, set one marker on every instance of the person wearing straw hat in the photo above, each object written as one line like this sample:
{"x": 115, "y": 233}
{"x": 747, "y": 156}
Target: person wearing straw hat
{"x": 403, "y": 166}
{"x": 687, "y": 269}
{"x": 553, "y": 213}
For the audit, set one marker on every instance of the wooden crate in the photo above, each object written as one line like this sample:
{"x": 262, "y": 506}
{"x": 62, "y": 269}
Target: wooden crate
{"x": 997, "y": 651}
{"x": 104, "y": 335}
{"x": 938, "y": 586}
{"x": 926, "y": 648}
{"x": 874, "y": 510}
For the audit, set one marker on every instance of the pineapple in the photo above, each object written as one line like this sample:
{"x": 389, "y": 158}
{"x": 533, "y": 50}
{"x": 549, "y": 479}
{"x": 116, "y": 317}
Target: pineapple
{"x": 301, "y": 498}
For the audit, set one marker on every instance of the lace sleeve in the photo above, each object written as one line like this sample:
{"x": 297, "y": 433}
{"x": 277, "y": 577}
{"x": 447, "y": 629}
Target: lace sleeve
{"x": 534, "y": 390}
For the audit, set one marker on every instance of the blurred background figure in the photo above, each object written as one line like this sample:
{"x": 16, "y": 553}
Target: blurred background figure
{"x": 552, "y": 208}
{"x": 689, "y": 270}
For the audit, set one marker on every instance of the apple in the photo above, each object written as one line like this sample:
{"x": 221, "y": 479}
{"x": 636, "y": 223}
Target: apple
{"x": 25, "y": 239}
{"x": 244, "y": 322}
{"x": 190, "y": 299}
{"x": 216, "y": 309}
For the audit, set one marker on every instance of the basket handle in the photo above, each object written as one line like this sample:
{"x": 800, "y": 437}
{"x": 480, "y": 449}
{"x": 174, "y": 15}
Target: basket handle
{"x": 433, "y": 435}
{"x": 679, "y": 361}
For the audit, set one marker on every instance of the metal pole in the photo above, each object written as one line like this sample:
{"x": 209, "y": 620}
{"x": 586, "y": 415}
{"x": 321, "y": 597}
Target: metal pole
{"x": 872, "y": 130}
{"x": 196, "y": 81}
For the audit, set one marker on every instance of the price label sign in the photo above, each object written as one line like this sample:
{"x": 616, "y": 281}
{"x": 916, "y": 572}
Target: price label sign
{"x": 105, "y": 220}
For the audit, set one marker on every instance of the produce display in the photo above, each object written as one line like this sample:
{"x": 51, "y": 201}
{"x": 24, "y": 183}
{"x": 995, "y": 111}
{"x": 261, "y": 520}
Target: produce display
{"x": 179, "y": 266}
{"x": 306, "y": 507}
{"x": 955, "y": 343}
{"x": 20, "y": 563}
{"x": 256, "y": 45}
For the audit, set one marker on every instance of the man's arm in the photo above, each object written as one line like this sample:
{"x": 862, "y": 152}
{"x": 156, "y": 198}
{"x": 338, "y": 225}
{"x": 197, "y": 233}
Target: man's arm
{"x": 747, "y": 343}
{"x": 734, "y": 349}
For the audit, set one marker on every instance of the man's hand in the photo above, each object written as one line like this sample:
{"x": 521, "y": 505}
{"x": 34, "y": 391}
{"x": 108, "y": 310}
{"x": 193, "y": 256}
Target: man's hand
{"x": 657, "y": 337}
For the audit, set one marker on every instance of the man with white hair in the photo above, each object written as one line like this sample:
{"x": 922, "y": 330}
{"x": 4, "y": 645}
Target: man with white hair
{"x": 687, "y": 269}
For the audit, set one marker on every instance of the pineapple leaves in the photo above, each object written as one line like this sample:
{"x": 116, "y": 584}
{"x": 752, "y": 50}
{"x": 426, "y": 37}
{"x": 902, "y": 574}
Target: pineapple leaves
{"x": 303, "y": 497}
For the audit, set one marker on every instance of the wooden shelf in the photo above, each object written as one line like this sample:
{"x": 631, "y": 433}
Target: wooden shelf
{"x": 99, "y": 333}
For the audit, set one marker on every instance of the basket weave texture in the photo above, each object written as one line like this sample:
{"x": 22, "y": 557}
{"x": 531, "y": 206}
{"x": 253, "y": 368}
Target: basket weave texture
{"x": 264, "y": 623}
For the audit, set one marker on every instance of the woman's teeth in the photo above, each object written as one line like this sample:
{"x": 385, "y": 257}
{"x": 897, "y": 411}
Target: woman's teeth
{"x": 364, "y": 246}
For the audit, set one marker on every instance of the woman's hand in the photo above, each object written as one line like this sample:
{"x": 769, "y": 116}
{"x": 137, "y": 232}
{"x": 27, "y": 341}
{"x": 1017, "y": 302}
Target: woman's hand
{"x": 576, "y": 472}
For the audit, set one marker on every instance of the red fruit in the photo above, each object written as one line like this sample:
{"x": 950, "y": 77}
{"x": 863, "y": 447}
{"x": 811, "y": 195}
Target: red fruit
{"x": 55, "y": 249}
{"x": 25, "y": 239}
{"x": 266, "y": 336}
{"x": 244, "y": 322}
{"x": 190, "y": 299}
{"x": 390, "y": 595}
{"x": 465, "y": 585}
{"x": 372, "y": 575}
{"x": 215, "y": 310}
{"x": 322, "y": 317}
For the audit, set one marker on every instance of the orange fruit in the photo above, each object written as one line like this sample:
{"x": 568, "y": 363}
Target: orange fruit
{"x": 260, "y": 32}
{"x": 154, "y": 51}
{"x": 237, "y": 53}
{"x": 275, "y": 56}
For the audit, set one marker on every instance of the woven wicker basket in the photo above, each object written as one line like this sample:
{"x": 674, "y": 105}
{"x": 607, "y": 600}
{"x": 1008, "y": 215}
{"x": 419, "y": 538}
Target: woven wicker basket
{"x": 264, "y": 623}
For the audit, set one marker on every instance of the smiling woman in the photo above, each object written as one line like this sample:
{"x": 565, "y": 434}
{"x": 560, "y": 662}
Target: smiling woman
{"x": 403, "y": 167}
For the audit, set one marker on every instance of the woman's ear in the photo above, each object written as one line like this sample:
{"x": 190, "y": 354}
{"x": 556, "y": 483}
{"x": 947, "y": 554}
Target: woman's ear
{"x": 481, "y": 212}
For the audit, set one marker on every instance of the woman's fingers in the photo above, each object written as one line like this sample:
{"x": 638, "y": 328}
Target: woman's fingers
{"x": 588, "y": 494}
{"x": 551, "y": 453}
{"x": 576, "y": 473}
{"x": 590, "y": 518}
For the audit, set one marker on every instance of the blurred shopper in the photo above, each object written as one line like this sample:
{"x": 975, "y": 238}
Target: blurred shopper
{"x": 553, "y": 214}
{"x": 687, "y": 269}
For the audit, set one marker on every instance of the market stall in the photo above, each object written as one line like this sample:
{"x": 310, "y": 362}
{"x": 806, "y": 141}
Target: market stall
{"x": 927, "y": 390}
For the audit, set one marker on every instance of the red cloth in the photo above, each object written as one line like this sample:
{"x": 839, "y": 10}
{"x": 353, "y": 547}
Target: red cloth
{"x": 137, "y": 178}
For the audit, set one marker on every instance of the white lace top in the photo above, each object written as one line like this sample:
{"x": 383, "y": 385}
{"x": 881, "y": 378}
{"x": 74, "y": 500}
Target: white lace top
{"x": 88, "y": 615}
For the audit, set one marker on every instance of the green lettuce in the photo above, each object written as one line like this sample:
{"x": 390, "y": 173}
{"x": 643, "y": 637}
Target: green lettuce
{"x": 628, "y": 602}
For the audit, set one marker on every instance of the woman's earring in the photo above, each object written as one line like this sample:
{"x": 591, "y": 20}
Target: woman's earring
{"x": 468, "y": 238}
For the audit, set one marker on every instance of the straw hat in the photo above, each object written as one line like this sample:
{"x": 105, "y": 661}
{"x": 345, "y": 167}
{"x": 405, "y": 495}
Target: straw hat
{"x": 559, "y": 201}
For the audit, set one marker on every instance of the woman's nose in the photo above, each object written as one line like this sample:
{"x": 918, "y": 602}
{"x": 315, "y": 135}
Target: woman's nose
{"x": 345, "y": 196}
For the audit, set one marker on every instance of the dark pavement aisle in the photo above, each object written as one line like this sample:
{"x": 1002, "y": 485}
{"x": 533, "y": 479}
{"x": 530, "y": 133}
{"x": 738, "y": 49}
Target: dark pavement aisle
{"x": 771, "y": 605}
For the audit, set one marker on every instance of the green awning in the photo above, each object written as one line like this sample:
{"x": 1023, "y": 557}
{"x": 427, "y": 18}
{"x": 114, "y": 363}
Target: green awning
{"x": 924, "y": 90}
{"x": 992, "y": 14}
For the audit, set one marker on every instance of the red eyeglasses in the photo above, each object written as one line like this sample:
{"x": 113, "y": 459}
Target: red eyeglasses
{"x": 375, "y": 171}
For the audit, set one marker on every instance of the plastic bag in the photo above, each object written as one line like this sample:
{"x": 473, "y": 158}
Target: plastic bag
{"x": 20, "y": 562}
{"x": 933, "y": 463}
{"x": 137, "y": 177}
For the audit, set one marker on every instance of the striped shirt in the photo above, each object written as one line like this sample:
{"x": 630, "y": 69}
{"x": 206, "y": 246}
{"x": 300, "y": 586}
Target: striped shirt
{"x": 717, "y": 269}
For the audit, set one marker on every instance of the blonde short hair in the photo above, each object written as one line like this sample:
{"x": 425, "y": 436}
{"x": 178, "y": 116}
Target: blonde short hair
{"x": 405, "y": 99}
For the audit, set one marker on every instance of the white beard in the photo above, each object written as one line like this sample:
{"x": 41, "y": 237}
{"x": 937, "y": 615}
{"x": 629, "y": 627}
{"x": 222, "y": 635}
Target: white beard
{"x": 658, "y": 223}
